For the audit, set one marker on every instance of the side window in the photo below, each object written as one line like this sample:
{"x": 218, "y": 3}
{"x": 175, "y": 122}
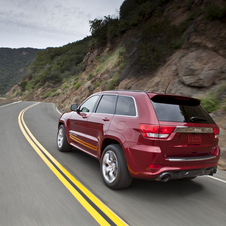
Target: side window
{"x": 125, "y": 106}
{"x": 107, "y": 104}
{"x": 88, "y": 106}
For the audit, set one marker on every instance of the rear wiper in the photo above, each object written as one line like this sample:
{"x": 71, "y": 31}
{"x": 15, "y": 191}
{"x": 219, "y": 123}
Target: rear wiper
{"x": 195, "y": 118}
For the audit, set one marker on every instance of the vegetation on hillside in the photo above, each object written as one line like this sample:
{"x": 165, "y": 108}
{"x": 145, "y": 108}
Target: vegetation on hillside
{"x": 155, "y": 38}
{"x": 13, "y": 66}
{"x": 215, "y": 99}
{"x": 55, "y": 65}
{"x": 144, "y": 29}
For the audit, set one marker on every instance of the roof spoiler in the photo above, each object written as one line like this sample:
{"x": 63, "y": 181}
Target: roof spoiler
{"x": 173, "y": 99}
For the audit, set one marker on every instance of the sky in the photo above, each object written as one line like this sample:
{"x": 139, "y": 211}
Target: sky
{"x": 50, "y": 23}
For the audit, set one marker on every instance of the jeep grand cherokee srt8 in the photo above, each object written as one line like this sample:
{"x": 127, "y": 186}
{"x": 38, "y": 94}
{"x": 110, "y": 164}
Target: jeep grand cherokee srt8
{"x": 136, "y": 134}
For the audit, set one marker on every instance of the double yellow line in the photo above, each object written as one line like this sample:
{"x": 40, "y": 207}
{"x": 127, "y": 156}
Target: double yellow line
{"x": 101, "y": 213}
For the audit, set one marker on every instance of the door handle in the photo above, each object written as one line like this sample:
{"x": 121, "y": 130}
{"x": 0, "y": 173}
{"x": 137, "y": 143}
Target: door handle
{"x": 106, "y": 119}
{"x": 84, "y": 116}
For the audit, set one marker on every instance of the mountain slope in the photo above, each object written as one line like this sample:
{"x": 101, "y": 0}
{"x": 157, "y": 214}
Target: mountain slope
{"x": 13, "y": 66}
{"x": 154, "y": 45}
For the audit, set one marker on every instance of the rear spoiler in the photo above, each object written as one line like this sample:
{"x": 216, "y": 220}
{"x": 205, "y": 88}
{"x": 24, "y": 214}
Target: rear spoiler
{"x": 173, "y": 99}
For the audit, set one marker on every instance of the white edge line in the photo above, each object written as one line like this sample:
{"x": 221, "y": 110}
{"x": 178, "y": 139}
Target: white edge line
{"x": 215, "y": 178}
{"x": 11, "y": 104}
{"x": 58, "y": 111}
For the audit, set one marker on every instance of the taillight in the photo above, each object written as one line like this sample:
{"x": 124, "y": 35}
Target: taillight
{"x": 165, "y": 131}
{"x": 156, "y": 131}
{"x": 216, "y": 132}
{"x": 149, "y": 130}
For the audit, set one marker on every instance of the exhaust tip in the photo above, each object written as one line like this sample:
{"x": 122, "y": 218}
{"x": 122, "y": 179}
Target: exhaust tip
{"x": 213, "y": 171}
{"x": 164, "y": 177}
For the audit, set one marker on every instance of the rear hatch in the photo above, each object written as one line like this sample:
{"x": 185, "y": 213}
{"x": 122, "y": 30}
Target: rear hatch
{"x": 194, "y": 132}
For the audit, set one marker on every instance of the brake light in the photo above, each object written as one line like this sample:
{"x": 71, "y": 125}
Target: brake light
{"x": 165, "y": 131}
{"x": 149, "y": 130}
{"x": 156, "y": 131}
{"x": 216, "y": 132}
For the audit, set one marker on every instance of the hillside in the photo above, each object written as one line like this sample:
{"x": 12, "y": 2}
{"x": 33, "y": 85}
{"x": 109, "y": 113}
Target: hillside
{"x": 154, "y": 45}
{"x": 13, "y": 66}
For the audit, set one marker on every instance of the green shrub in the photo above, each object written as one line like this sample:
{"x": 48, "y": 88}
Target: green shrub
{"x": 186, "y": 22}
{"x": 48, "y": 94}
{"x": 214, "y": 11}
{"x": 23, "y": 85}
{"x": 210, "y": 103}
{"x": 104, "y": 29}
{"x": 66, "y": 86}
{"x": 158, "y": 40}
{"x": 122, "y": 65}
{"x": 222, "y": 88}
{"x": 90, "y": 76}
{"x": 79, "y": 69}
{"x": 113, "y": 82}
{"x": 77, "y": 86}
{"x": 97, "y": 58}
{"x": 97, "y": 84}
{"x": 39, "y": 85}
{"x": 112, "y": 31}
{"x": 189, "y": 4}
{"x": 126, "y": 7}
{"x": 30, "y": 86}
{"x": 178, "y": 43}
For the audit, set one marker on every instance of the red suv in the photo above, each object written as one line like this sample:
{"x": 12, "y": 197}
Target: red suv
{"x": 136, "y": 134}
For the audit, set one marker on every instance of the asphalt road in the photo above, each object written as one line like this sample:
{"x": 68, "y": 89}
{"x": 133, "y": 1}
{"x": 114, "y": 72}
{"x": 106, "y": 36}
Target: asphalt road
{"x": 31, "y": 194}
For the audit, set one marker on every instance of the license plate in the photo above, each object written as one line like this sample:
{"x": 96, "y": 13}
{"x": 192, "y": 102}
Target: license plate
{"x": 194, "y": 139}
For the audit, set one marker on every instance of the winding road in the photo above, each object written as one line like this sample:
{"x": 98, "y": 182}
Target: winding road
{"x": 41, "y": 186}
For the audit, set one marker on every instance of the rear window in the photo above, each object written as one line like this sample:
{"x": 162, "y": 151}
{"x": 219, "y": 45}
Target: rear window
{"x": 180, "y": 110}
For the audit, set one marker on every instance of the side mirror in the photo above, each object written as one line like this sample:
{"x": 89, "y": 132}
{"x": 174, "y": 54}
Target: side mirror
{"x": 74, "y": 107}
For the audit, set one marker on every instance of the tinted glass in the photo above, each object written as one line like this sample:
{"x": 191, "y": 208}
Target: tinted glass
{"x": 181, "y": 113}
{"x": 107, "y": 104}
{"x": 89, "y": 105}
{"x": 125, "y": 106}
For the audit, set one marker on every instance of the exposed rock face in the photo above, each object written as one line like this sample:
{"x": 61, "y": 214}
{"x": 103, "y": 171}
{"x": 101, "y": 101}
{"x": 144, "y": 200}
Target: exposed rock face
{"x": 202, "y": 68}
{"x": 185, "y": 73}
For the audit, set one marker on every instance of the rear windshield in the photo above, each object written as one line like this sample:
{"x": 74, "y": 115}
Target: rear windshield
{"x": 180, "y": 111}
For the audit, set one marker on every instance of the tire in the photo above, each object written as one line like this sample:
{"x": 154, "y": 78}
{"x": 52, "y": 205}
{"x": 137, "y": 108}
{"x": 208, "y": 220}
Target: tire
{"x": 62, "y": 143}
{"x": 114, "y": 169}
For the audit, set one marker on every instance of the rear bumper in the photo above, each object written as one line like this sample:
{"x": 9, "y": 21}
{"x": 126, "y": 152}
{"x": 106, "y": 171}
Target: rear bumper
{"x": 148, "y": 162}
{"x": 169, "y": 175}
{"x": 188, "y": 159}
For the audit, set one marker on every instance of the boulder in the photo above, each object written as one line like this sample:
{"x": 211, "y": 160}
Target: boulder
{"x": 201, "y": 68}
